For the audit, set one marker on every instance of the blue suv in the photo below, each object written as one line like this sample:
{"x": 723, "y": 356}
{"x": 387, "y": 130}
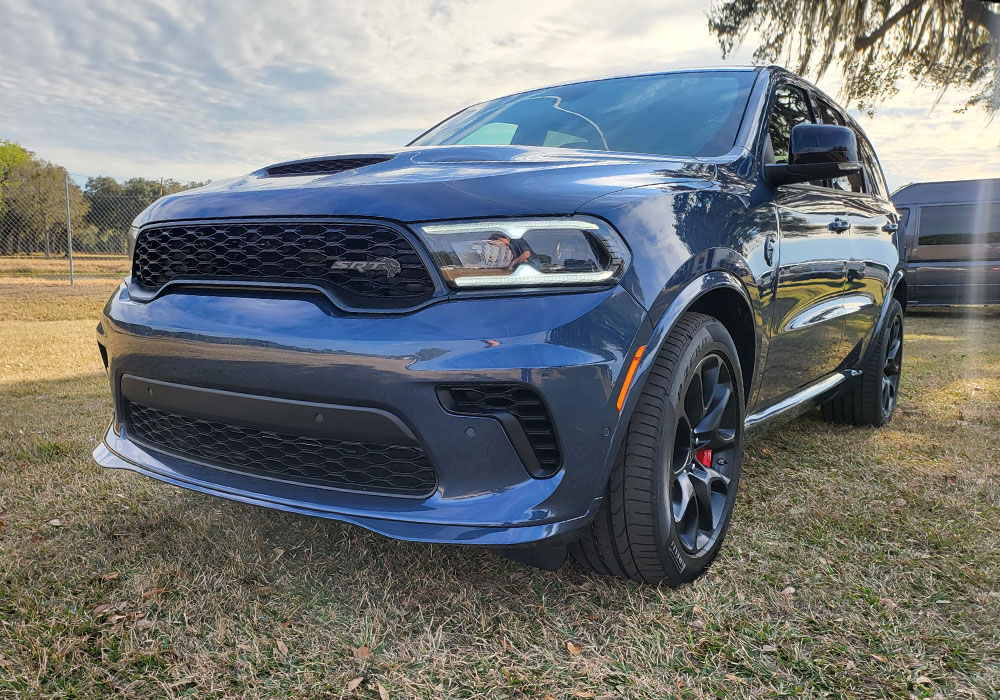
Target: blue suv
{"x": 547, "y": 325}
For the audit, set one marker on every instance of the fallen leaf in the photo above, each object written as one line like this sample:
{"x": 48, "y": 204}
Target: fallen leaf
{"x": 924, "y": 680}
{"x": 282, "y": 647}
{"x": 110, "y": 576}
{"x": 353, "y": 684}
{"x": 574, "y": 649}
{"x": 583, "y": 694}
{"x": 382, "y": 692}
{"x": 102, "y": 609}
{"x": 697, "y": 610}
{"x": 278, "y": 553}
{"x": 153, "y": 592}
{"x": 260, "y": 590}
{"x": 735, "y": 678}
{"x": 286, "y": 623}
{"x": 788, "y": 591}
{"x": 362, "y": 653}
{"x": 55, "y": 522}
{"x": 143, "y": 624}
{"x": 769, "y": 647}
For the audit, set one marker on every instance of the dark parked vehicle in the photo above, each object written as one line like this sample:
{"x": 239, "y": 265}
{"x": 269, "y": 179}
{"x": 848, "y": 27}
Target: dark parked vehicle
{"x": 952, "y": 242}
{"x": 545, "y": 325}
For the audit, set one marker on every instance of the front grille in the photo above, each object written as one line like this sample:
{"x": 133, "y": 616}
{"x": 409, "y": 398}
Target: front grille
{"x": 366, "y": 265}
{"x": 324, "y": 166}
{"x": 514, "y": 399}
{"x": 360, "y": 466}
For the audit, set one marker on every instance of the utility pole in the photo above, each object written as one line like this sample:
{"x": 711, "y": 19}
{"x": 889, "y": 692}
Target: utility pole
{"x": 69, "y": 233}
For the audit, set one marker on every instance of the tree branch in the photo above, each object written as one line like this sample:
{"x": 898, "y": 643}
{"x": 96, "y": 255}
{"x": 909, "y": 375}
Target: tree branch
{"x": 866, "y": 42}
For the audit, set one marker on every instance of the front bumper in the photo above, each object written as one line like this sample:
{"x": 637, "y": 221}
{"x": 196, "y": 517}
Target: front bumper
{"x": 298, "y": 348}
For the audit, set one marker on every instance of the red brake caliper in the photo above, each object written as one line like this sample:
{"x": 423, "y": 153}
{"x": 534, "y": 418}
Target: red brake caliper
{"x": 704, "y": 456}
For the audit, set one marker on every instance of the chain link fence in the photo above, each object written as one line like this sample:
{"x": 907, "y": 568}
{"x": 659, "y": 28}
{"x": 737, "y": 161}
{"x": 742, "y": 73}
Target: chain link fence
{"x": 50, "y": 219}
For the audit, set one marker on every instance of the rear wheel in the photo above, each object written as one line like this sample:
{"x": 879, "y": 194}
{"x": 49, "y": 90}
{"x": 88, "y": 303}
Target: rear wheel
{"x": 873, "y": 400}
{"x": 669, "y": 500}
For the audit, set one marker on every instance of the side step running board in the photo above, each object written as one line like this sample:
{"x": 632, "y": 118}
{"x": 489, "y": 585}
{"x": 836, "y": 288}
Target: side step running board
{"x": 800, "y": 400}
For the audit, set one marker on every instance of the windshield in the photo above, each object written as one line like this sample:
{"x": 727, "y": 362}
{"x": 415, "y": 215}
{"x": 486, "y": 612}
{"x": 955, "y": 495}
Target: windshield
{"x": 673, "y": 114}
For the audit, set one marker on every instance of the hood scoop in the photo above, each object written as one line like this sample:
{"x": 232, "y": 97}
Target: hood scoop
{"x": 323, "y": 166}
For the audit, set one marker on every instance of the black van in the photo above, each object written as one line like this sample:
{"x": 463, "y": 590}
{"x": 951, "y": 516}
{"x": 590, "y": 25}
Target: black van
{"x": 952, "y": 241}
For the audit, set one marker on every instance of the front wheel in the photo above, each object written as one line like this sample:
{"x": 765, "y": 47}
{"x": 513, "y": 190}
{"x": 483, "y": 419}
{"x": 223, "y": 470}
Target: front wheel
{"x": 669, "y": 500}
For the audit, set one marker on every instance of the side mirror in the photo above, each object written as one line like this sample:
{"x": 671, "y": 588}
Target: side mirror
{"x": 816, "y": 152}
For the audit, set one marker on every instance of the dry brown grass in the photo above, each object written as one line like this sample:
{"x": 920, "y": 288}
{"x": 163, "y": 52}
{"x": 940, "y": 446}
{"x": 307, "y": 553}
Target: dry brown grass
{"x": 83, "y": 265}
{"x": 861, "y": 563}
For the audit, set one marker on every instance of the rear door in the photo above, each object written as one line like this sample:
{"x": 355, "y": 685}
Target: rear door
{"x": 807, "y": 325}
{"x": 874, "y": 249}
{"x": 956, "y": 255}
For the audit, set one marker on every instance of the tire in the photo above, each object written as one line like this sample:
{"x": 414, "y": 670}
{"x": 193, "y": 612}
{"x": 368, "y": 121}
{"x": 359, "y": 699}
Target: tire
{"x": 872, "y": 401}
{"x": 665, "y": 514}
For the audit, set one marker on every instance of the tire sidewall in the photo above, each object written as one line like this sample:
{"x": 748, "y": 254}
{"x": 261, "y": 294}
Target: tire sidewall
{"x": 709, "y": 338}
{"x": 895, "y": 311}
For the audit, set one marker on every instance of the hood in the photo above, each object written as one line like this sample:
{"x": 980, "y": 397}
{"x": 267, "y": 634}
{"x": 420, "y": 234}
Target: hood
{"x": 420, "y": 184}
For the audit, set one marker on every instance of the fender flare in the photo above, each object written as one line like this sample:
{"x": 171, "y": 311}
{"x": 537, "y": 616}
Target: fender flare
{"x": 890, "y": 294}
{"x": 682, "y": 301}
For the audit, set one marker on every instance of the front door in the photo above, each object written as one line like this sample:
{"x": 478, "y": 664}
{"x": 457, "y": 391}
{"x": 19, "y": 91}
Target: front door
{"x": 807, "y": 321}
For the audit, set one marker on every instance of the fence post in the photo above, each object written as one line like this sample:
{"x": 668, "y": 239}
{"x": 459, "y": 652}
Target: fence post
{"x": 69, "y": 233}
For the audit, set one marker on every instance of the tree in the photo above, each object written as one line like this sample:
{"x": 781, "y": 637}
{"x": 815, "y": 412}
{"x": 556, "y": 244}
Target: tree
{"x": 948, "y": 43}
{"x": 35, "y": 196}
{"x": 11, "y": 155}
{"x": 112, "y": 206}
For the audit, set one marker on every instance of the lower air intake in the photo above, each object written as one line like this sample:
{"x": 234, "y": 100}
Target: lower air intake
{"x": 358, "y": 466}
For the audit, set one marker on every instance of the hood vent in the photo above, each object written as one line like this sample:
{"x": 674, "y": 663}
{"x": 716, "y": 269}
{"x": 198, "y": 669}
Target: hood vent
{"x": 323, "y": 166}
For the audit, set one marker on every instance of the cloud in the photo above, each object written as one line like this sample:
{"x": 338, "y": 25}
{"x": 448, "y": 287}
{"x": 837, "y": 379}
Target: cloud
{"x": 192, "y": 90}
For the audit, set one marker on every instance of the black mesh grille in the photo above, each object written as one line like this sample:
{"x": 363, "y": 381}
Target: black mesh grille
{"x": 364, "y": 264}
{"x": 519, "y": 401}
{"x": 362, "y": 466}
{"x": 324, "y": 166}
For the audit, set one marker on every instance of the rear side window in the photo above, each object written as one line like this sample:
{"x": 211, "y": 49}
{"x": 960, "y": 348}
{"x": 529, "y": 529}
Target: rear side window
{"x": 904, "y": 218}
{"x": 791, "y": 107}
{"x": 873, "y": 171}
{"x": 828, "y": 114}
{"x": 960, "y": 224}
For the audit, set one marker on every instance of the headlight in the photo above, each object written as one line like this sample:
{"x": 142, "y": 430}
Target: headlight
{"x": 526, "y": 252}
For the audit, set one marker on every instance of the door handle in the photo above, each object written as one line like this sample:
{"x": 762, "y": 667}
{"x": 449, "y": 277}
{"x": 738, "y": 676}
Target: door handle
{"x": 839, "y": 225}
{"x": 890, "y": 227}
{"x": 769, "y": 250}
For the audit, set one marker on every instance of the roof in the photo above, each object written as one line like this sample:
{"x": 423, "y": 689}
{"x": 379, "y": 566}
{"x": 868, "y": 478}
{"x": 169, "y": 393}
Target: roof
{"x": 984, "y": 190}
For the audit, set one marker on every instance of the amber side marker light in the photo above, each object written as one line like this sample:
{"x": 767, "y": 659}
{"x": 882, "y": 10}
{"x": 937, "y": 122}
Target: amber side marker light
{"x": 629, "y": 376}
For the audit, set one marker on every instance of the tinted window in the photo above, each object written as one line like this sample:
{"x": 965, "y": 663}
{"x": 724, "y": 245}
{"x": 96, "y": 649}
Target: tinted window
{"x": 828, "y": 114}
{"x": 957, "y": 224}
{"x": 904, "y": 218}
{"x": 678, "y": 114}
{"x": 879, "y": 186}
{"x": 791, "y": 107}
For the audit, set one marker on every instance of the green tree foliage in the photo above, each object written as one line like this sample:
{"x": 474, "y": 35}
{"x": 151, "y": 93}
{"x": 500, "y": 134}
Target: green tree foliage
{"x": 35, "y": 207}
{"x": 11, "y": 155}
{"x": 947, "y": 43}
{"x": 112, "y": 206}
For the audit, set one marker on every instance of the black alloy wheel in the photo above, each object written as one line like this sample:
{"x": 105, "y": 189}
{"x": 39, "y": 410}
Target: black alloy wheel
{"x": 702, "y": 456}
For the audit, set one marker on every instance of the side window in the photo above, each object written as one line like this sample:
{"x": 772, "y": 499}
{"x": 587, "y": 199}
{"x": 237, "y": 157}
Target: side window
{"x": 904, "y": 218}
{"x": 828, "y": 114}
{"x": 878, "y": 177}
{"x": 960, "y": 224}
{"x": 791, "y": 107}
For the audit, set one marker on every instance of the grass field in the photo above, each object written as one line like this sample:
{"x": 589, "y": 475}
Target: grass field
{"x": 57, "y": 267}
{"x": 861, "y": 563}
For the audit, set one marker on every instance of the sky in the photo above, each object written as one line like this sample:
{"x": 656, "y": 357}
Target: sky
{"x": 206, "y": 90}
